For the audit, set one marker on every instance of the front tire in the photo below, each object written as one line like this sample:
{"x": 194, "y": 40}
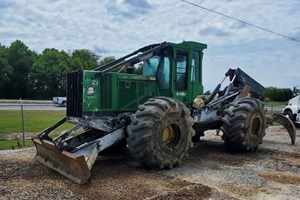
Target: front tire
{"x": 290, "y": 115}
{"x": 64, "y": 104}
{"x": 160, "y": 132}
{"x": 244, "y": 124}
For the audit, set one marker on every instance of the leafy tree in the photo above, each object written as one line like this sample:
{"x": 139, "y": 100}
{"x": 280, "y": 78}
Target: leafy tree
{"x": 278, "y": 94}
{"x": 106, "y": 60}
{"x": 49, "y": 73}
{"x": 138, "y": 69}
{"x": 84, "y": 59}
{"x": 5, "y": 69}
{"x": 25, "y": 74}
{"x": 287, "y": 94}
{"x": 20, "y": 58}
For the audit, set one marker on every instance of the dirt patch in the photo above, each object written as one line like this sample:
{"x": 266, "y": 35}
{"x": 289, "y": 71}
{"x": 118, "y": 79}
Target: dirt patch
{"x": 246, "y": 191}
{"x": 9, "y": 136}
{"x": 211, "y": 172}
{"x": 279, "y": 161}
{"x": 21, "y": 177}
{"x": 191, "y": 192}
{"x": 215, "y": 151}
{"x": 282, "y": 178}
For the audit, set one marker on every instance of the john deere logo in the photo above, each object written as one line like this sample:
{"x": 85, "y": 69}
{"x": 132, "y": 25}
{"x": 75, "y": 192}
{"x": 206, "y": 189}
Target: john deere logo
{"x": 183, "y": 94}
{"x": 90, "y": 91}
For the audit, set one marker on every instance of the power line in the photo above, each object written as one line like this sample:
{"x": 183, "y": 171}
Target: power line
{"x": 242, "y": 21}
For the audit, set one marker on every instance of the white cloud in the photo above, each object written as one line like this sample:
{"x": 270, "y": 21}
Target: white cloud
{"x": 118, "y": 27}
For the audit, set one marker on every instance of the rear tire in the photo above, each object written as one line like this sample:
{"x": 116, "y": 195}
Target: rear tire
{"x": 244, "y": 124}
{"x": 160, "y": 132}
{"x": 64, "y": 104}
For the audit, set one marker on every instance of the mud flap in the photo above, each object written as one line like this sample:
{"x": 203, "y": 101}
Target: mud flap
{"x": 75, "y": 166}
{"x": 287, "y": 123}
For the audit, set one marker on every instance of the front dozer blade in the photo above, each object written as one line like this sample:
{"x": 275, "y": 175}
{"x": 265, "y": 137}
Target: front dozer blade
{"x": 287, "y": 123}
{"x": 75, "y": 166}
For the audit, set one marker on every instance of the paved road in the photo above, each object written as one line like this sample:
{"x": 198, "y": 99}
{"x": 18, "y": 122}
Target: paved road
{"x": 30, "y": 107}
{"x": 275, "y": 109}
{"x": 11, "y": 106}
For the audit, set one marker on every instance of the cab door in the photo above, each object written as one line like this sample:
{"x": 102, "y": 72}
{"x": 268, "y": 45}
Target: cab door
{"x": 196, "y": 74}
{"x": 181, "y": 75}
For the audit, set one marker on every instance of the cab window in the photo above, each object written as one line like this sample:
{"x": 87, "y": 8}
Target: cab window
{"x": 150, "y": 66}
{"x": 181, "y": 71}
{"x": 195, "y": 67}
{"x": 163, "y": 73}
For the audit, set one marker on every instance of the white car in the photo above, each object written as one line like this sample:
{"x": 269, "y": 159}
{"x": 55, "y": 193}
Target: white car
{"x": 292, "y": 110}
{"x": 61, "y": 101}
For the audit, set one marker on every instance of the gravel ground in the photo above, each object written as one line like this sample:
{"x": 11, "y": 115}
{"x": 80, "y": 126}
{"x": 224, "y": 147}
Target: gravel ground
{"x": 211, "y": 172}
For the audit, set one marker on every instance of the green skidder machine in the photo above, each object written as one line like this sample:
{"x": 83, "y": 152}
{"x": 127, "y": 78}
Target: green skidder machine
{"x": 151, "y": 101}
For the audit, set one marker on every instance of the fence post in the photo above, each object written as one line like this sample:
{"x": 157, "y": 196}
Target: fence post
{"x": 272, "y": 109}
{"x": 22, "y": 120}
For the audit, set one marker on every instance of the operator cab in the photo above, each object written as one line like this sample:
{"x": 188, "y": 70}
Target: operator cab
{"x": 177, "y": 69}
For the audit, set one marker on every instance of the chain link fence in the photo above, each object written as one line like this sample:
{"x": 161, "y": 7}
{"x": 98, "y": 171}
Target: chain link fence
{"x": 13, "y": 110}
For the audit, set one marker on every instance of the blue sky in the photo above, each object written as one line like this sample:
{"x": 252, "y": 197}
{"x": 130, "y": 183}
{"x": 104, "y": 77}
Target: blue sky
{"x": 115, "y": 28}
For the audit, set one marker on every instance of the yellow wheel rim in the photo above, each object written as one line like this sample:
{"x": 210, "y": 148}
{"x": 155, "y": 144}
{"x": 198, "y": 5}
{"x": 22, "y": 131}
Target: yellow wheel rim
{"x": 255, "y": 126}
{"x": 168, "y": 133}
{"x": 171, "y": 135}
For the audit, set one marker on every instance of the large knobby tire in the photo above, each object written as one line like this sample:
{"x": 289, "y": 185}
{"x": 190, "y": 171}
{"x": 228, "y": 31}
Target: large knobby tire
{"x": 244, "y": 124}
{"x": 160, "y": 132}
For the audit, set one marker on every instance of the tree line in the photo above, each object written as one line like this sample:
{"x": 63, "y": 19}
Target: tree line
{"x": 29, "y": 75}
{"x": 278, "y": 94}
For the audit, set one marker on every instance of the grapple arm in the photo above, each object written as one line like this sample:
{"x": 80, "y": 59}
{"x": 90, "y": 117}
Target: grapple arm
{"x": 286, "y": 122}
{"x": 241, "y": 79}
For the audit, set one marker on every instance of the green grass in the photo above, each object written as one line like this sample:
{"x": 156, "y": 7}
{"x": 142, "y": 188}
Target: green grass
{"x": 34, "y": 120}
{"x": 275, "y": 103}
{"x": 14, "y": 144}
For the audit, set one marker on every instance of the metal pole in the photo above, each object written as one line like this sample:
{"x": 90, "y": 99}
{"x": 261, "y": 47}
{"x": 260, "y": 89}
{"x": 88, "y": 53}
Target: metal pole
{"x": 272, "y": 109}
{"x": 22, "y": 120}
